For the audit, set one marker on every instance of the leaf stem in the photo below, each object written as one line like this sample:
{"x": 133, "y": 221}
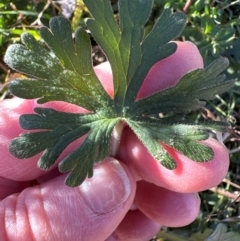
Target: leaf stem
{"x": 116, "y": 137}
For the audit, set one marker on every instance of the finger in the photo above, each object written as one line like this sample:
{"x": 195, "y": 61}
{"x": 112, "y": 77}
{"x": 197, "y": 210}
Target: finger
{"x": 8, "y": 187}
{"x": 10, "y": 111}
{"x": 53, "y": 211}
{"x": 167, "y": 72}
{"x": 169, "y": 208}
{"x": 135, "y": 227}
{"x": 11, "y": 167}
{"x": 189, "y": 176}
{"x": 104, "y": 74}
{"x": 163, "y": 74}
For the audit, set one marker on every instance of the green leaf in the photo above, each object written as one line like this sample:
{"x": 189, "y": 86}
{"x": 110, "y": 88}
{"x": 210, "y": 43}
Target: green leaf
{"x": 62, "y": 78}
{"x": 94, "y": 149}
{"x": 182, "y": 137}
{"x": 155, "y": 47}
{"x": 189, "y": 94}
{"x": 221, "y": 234}
{"x": 59, "y": 68}
{"x": 146, "y": 135}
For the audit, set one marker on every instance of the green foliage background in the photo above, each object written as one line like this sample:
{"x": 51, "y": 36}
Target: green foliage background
{"x": 214, "y": 26}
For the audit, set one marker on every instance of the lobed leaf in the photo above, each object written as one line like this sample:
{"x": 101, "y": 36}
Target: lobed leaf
{"x": 190, "y": 92}
{"x": 107, "y": 34}
{"x": 182, "y": 137}
{"x": 66, "y": 76}
{"x": 152, "y": 144}
{"x": 95, "y": 148}
{"x": 46, "y": 91}
{"x": 64, "y": 72}
{"x": 156, "y": 46}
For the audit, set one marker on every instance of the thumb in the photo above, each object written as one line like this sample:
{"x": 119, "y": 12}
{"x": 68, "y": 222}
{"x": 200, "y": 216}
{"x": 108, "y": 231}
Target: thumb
{"x": 53, "y": 211}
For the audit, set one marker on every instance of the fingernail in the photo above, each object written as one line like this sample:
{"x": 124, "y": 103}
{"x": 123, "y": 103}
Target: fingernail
{"x": 108, "y": 188}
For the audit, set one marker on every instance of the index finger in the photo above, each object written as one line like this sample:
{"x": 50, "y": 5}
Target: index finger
{"x": 10, "y": 111}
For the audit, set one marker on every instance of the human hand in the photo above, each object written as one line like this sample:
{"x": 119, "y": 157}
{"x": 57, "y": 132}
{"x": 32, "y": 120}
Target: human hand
{"x": 128, "y": 198}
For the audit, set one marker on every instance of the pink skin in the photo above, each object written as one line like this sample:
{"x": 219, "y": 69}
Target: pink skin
{"x": 100, "y": 208}
{"x": 156, "y": 207}
{"x": 188, "y": 177}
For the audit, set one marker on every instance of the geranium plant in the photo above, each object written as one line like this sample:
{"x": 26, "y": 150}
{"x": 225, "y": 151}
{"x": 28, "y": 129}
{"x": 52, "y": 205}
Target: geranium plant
{"x": 65, "y": 73}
